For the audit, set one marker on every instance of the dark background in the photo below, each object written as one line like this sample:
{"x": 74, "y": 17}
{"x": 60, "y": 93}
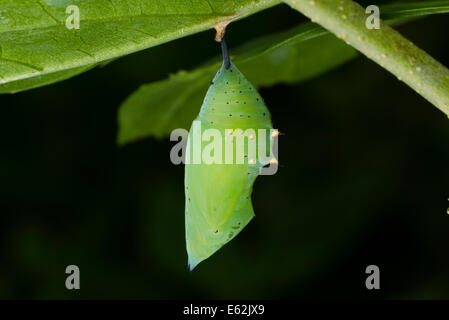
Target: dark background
{"x": 364, "y": 180}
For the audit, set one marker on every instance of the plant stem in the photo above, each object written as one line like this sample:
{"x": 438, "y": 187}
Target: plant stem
{"x": 385, "y": 46}
{"x": 224, "y": 49}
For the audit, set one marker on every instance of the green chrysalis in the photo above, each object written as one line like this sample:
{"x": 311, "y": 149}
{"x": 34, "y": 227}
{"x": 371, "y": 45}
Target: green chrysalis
{"x": 218, "y": 196}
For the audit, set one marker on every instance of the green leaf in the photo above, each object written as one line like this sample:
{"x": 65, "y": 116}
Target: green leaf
{"x": 37, "y": 49}
{"x": 404, "y": 11}
{"x": 296, "y": 55}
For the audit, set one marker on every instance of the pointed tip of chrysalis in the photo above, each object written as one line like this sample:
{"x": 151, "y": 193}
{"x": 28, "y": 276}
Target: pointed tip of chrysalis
{"x": 192, "y": 263}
